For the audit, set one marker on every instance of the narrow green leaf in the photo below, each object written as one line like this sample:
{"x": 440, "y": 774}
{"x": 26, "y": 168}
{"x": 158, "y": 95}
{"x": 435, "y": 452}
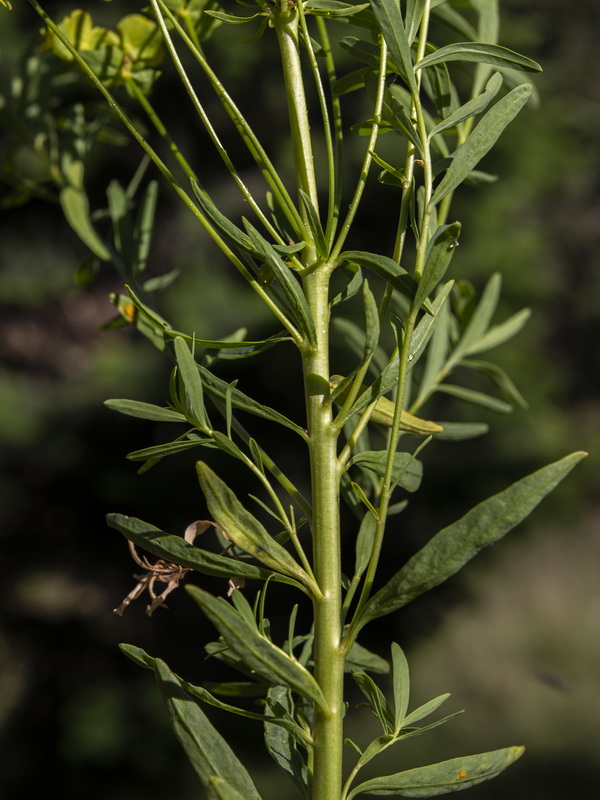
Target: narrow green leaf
{"x": 76, "y": 209}
{"x": 480, "y": 52}
{"x": 424, "y": 330}
{"x": 498, "y": 334}
{"x": 425, "y": 710}
{"x": 401, "y": 686}
{"x": 190, "y": 376}
{"x": 208, "y": 752}
{"x": 500, "y": 378}
{"x": 243, "y": 528}
{"x": 440, "y": 250}
{"x": 479, "y": 323}
{"x": 371, "y": 322}
{"x": 230, "y": 18}
{"x": 314, "y": 223}
{"x": 281, "y": 744}
{"x": 390, "y": 21}
{"x": 364, "y": 544}
{"x": 224, "y": 225}
{"x": 385, "y": 267}
{"x": 170, "y": 448}
{"x": 219, "y": 388}
{"x": 135, "y": 408}
{"x": 118, "y": 204}
{"x": 408, "y": 471}
{"x": 351, "y": 82}
{"x": 257, "y": 652}
{"x": 477, "y": 398}
{"x": 220, "y": 789}
{"x": 359, "y": 658}
{"x": 376, "y": 699}
{"x": 447, "y": 776}
{"x": 414, "y": 13}
{"x": 481, "y": 140}
{"x": 455, "y": 545}
{"x": 144, "y": 227}
{"x": 176, "y": 550}
{"x": 456, "y": 431}
{"x": 471, "y": 108}
{"x": 286, "y": 279}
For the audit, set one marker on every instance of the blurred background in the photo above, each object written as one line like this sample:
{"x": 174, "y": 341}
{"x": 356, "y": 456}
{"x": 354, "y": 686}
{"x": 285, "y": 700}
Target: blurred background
{"x": 515, "y": 638}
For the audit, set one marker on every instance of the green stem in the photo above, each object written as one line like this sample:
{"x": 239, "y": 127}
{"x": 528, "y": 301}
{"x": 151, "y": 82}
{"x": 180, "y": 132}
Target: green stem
{"x": 325, "y": 480}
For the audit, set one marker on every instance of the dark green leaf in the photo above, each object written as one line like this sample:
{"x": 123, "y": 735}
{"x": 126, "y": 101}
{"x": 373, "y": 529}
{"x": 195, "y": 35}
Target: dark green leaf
{"x": 481, "y": 140}
{"x": 314, "y": 224}
{"x": 188, "y": 370}
{"x": 243, "y": 528}
{"x": 481, "y": 53}
{"x": 385, "y": 267}
{"x": 280, "y": 742}
{"x": 472, "y": 107}
{"x": 390, "y": 21}
{"x": 424, "y": 330}
{"x": 176, "y": 550}
{"x": 243, "y": 402}
{"x": 376, "y": 699}
{"x": 440, "y": 250}
{"x": 447, "y": 776}
{"x": 135, "y": 408}
{"x": 76, "y": 209}
{"x": 477, "y": 398}
{"x": 144, "y": 226}
{"x": 401, "y": 686}
{"x": 208, "y": 752}
{"x": 286, "y": 279}
{"x": 359, "y": 658}
{"x": 408, "y": 471}
{"x": 456, "y": 545}
{"x": 414, "y": 13}
{"x": 456, "y": 431}
{"x": 257, "y": 652}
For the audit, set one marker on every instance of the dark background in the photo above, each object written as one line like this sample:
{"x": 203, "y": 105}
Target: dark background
{"x": 515, "y": 639}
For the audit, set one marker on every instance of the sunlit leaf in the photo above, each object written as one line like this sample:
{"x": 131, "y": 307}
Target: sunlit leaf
{"x": 136, "y": 408}
{"x": 447, "y": 776}
{"x": 257, "y": 652}
{"x": 481, "y": 140}
{"x": 457, "y": 544}
{"x": 480, "y": 52}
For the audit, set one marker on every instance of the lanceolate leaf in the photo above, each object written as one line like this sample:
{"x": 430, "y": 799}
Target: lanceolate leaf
{"x": 76, "y": 209}
{"x": 135, "y": 408}
{"x": 447, "y": 776}
{"x": 439, "y": 253}
{"x": 481, "y": 53}
{"x": 408, "y": 471}
{"x": 257, "y": 652}
{"x": 454, "y": 546}
{"x": 481, "y": 140}
{"x": 285, "y": 277}
{"x": 208, "y": 752}
{"x": 388, "y": 15}
{"x": 188, "y": 371}
{"x": 385, "y": 267}
{"x": 472, "y": 107}
{"x": 243, "y": 528}
{"x": 176, "y": 550}
{"x": 280, "y": 743}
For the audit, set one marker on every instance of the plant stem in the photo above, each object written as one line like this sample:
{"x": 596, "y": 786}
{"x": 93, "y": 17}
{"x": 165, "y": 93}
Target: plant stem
{"x": 325, "y": 479}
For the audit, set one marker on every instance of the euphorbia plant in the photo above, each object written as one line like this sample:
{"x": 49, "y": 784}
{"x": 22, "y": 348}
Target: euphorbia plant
{"x": 365, "y": 428}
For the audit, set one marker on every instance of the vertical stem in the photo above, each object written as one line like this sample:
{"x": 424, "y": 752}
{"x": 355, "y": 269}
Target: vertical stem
{"x": 323, "y": 435}
{"x": 325, "y": 479}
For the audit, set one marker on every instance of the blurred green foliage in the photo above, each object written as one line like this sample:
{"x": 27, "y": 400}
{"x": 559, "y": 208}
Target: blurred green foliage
{"x": 70, "y": 707}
